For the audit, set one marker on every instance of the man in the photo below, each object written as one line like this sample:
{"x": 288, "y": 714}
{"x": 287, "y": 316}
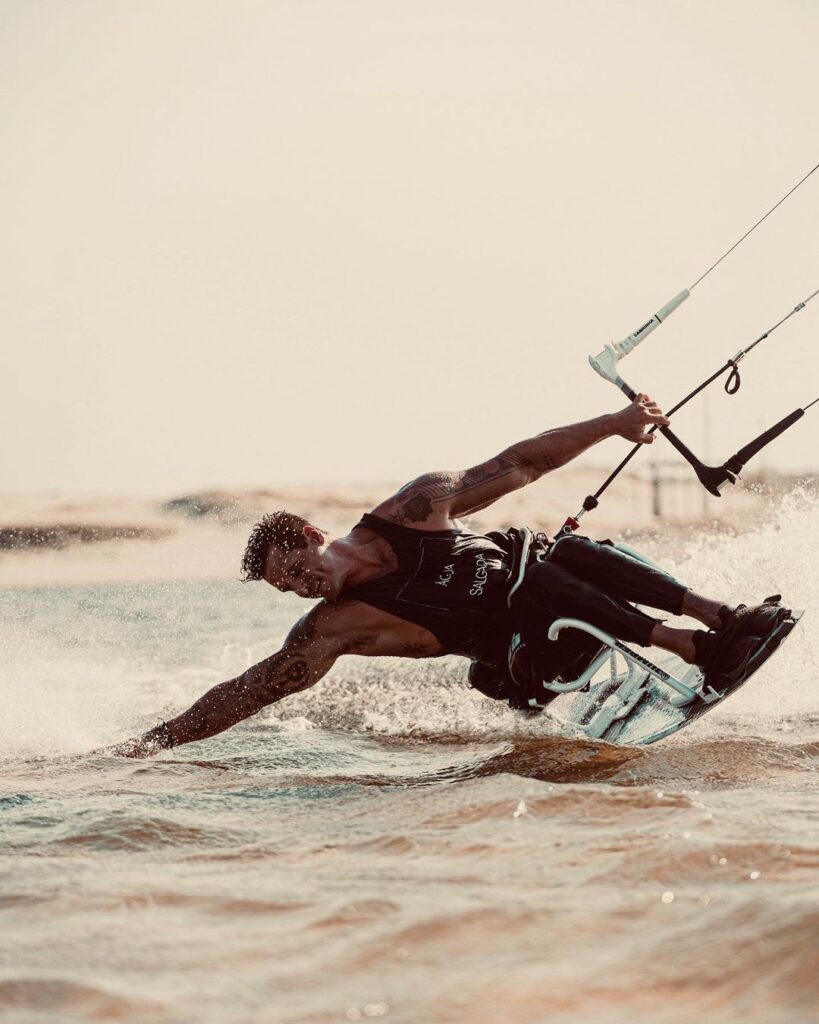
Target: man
{"x": 407, "y": 582}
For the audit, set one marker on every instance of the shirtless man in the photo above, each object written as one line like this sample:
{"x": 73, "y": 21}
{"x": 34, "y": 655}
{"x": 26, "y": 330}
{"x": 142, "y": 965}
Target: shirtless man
{"x": 406, "y": 581}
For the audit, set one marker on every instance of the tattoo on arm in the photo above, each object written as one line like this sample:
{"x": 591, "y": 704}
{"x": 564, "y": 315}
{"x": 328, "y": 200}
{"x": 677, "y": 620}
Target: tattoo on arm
{"x": 291, "y": 669}
{"x": 278, "y": 676}
{"x": 358, "y": 644}
{"x": 307, "y": 655}
{"x": 414, "y": 503}
{"x": 415, "y": 651}
{"x": 296, "y": 672}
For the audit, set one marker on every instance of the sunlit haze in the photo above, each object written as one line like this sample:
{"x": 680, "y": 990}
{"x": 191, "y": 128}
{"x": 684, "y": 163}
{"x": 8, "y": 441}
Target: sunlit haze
{"x": 248, "y": 243}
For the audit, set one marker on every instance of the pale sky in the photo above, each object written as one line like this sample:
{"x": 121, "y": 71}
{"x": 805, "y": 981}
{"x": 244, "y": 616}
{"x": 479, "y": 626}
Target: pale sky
{"x": 247, "y": 243}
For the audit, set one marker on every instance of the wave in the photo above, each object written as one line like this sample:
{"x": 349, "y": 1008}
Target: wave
{"x": 51, "y": 996}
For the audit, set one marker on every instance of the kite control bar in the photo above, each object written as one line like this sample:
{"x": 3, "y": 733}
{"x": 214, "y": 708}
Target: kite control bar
{"x": 713, "y": 478}
{"x": 605, "y": 363}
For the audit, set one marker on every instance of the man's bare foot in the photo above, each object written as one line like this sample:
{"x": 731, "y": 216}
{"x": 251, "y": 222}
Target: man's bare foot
{"x": 703, "y": 609}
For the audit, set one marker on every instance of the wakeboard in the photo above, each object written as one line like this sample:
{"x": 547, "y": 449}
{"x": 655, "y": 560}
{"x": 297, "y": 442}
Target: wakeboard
{"x": 638, "y": 708}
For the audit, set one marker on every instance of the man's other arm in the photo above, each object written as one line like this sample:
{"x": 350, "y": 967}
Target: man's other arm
{"x": 431, "y": 501}
{"x": 309, "y": 652}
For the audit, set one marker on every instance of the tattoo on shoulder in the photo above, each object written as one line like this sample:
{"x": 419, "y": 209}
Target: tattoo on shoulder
{"x": 415, "y": 509}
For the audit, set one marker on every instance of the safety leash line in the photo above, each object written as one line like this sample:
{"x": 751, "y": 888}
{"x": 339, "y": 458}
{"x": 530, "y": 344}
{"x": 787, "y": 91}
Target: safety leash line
{"x": 750, "y": 230}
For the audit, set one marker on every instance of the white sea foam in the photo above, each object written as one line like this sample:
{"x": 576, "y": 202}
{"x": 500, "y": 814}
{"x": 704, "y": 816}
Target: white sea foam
{"x": 780, "y": 556}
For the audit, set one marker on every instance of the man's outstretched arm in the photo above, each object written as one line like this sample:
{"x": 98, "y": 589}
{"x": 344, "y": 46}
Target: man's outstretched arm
{"x": 434, "y": 499}
{"x": 307, "y": 655}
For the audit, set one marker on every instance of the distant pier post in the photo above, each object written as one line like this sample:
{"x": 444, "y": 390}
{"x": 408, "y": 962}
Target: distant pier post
{"x": 656, "y": 485}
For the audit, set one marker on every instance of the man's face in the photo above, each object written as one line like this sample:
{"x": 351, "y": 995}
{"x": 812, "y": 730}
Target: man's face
{"x": 303, "y": 571}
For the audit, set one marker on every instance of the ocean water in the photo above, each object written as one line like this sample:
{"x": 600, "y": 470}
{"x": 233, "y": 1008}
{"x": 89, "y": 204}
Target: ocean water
{"x": 390, "y": 844}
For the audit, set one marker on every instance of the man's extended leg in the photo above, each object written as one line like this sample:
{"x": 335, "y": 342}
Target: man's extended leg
{"x": 596, "y": 582}
{"x": 622, "y": 576}
{"x": 552, "y": 591}
{"x": 619, "y": 574}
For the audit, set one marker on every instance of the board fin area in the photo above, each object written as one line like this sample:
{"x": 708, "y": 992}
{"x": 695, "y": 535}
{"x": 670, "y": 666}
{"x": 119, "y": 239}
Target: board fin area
{"x": 649, "y": 701}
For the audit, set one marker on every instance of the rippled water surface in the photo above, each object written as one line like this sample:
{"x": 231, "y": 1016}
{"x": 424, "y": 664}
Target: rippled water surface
{"x": 390, "y": 844}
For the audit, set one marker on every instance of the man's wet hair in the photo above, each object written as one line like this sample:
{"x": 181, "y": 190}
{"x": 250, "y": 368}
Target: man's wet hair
{"x": 282, "y": 530}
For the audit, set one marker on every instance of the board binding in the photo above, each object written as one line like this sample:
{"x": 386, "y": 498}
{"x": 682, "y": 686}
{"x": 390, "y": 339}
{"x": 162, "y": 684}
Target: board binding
{"x": 648, "y": 701}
